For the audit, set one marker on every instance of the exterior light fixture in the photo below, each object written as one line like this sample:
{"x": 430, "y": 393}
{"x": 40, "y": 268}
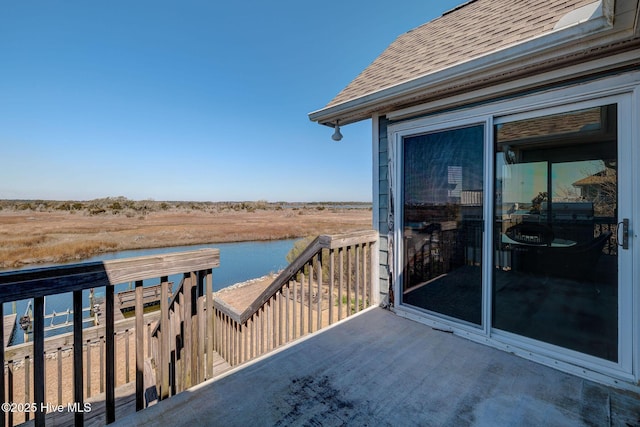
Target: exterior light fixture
{"x": 337, "y": 136}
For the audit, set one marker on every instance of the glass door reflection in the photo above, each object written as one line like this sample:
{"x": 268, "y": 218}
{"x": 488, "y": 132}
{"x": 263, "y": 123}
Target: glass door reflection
{"x": 442, "y": 222}
{"x": 556, "y": 276}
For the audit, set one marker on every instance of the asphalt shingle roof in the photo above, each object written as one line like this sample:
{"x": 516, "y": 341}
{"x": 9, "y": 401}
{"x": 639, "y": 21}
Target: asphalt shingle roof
{"x": 474, "y": 29}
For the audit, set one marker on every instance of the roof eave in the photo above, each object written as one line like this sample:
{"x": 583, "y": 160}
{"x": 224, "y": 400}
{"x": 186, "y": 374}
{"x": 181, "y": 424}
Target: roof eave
{"x": 514, "y": 56}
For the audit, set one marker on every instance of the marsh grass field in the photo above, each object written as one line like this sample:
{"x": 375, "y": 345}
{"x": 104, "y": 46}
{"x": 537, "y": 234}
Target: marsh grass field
{"x": 35, "y": 232}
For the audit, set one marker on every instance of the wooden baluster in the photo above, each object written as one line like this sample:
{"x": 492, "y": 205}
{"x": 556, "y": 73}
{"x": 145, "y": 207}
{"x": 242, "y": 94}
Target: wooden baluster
{"x": 255, "y": 320}
{"x": 193, "y": 360}
{"x": 215, "y": 336}
{"x": 245, "y": 340}
{"x": 201, "y": 327}
{"x": 223, "y": 335}
{"x": 179, "y": 330}
{"x": 268, "y": 319}
{"x": 38, "y": 359}
{"x": 148, "y": 338}
{"x": 340, "y": 281}
{"x": 219, "y": 333}
{"x": 210, "y": 322}
{"x": 310, "y": 298}
{"x": 357, "y": 284}
{"x": 294, "y": 324}
{"x": 225, "y": 338}
{"x": 280, "y": 318}
{"x": 229, "y": 335}
{"x": 126, "y": 351}
{"x": 172, "y": 350}
{"x": 319, "y": 283}
{"x": 236, "y": 342}
{"x": 101, "y": 340}
{"x": 163, "y": 338}
{"x": 287, "y": 302}
{"x": 349, "y": 281}
{"x": 262, "y": 326}
{"x": 139, "y": 310}
{"x": 274, "y": 321}
{"x": 302, "y": 303}
{"x": 232, "y": 342}
{"x": 252, "y": 337}
{"x": 187, "y": 338}
{"x": 331, "y": 284}
{"x": 59, "y": 376}
{"x": 27, "y": 384}
{"x": 110, "y": 354}
{"x": 366, "y": 273}
{"x": 238, "y": 346}
{"x": 88, "y": 370}
{"x": 244, "y": 335}
{"x": 9, "y": 395}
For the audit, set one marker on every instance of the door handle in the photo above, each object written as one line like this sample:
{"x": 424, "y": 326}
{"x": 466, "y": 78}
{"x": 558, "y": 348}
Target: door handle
{"x": 625, "y": 234}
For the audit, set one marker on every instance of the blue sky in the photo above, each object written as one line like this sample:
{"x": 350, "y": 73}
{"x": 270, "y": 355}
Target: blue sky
{"x": 187, "y": 100}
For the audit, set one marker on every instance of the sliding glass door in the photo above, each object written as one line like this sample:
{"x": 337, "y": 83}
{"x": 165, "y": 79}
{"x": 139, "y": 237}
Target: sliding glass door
{"x": 554, "y": 274}
{"x": 555, "y": 225}
{"x": 442, "y": 222}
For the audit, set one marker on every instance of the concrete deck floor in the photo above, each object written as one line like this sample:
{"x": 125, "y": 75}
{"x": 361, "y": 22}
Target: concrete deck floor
{"x": 378, "y": 369}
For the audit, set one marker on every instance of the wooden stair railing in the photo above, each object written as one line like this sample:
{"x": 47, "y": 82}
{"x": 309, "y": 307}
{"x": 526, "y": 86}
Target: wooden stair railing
{"x": 328, "y": 281}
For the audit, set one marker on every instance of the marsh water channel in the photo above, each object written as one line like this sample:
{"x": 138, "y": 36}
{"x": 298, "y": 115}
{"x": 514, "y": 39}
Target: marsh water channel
{"x": 239, "y": 262}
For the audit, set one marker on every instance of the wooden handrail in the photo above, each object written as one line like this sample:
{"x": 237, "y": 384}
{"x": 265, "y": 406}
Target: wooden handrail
{"x": 18, "y": 285}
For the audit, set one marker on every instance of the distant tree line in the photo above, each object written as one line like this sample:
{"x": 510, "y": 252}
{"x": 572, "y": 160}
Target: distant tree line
{"x": 124, "y": 206}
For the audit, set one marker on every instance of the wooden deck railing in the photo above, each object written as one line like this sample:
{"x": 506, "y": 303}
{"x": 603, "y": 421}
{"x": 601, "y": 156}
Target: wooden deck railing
{"x": 329, "y": 281}
{"x": 39, "y": 283}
